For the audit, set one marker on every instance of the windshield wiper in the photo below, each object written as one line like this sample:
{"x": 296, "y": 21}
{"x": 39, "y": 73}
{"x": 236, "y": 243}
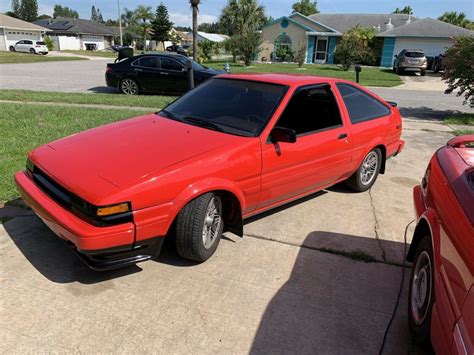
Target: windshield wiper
{"x": 170, "y": 115}
{"x": 202, "y": 123}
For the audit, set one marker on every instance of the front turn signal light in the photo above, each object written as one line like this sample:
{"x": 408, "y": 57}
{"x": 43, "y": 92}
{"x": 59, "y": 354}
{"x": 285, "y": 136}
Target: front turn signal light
{"x": 113, "y": 209}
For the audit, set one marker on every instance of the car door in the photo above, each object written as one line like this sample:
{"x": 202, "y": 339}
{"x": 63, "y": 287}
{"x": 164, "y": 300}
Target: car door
{"x": 371, "y": 120}
{"x": 146, "y": 71}
{"x": 20, "y": 46}
{"x": 173, "y": 75}
{"x": 319, "y": 157}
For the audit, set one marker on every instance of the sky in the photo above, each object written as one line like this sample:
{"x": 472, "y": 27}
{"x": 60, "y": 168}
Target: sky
{"x": 210, "y": 10}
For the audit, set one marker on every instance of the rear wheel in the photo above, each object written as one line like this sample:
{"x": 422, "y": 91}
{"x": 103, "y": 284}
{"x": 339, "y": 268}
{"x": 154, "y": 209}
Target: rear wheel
{"x": 32, "y": 51}
{"x": 129, "y": 87}
{"x": 199, "y": 227}
{"x": 365, "y": 176}
{"x": 421, "y": 292}
{"x": 12, "y": 49}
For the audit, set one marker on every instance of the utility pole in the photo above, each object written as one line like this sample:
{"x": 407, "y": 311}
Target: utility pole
{"x": 120, "y": 22}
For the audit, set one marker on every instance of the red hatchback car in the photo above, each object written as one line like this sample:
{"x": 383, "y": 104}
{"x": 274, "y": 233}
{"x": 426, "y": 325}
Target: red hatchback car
{"x": 229, "y": 149}
{"x": 441, "y": 293}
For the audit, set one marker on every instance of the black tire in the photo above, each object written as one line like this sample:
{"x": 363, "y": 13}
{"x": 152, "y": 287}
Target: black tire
{"x": 190, "y": 224}
{"x": 356, "y": 181}
{"x": 420, "y": 326}
{"x": 399, "y": 71}
{"x": 423, "y": 72}
{"x": 394, "y": 69}
{"x": 32, "y": 51}
{"x": 12, "y": 49}
{"x": 129, "y": 86}
{"x": 435, "y": 68}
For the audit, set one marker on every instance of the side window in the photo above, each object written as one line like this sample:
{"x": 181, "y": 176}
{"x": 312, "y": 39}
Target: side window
{"x": 170, "y": 64}
{"x": 311, "y": 109}
{"x": 29, "y": 42}
{"x": 361, "y": 106}
{"x": 148, "y": 62}
{"x": 20, "y": 42}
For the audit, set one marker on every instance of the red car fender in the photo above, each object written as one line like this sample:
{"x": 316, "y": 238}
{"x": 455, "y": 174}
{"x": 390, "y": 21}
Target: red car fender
{"x": 377, "y": 142}
{"x": 200, "y": 188}
{"x": 431, "y": 218}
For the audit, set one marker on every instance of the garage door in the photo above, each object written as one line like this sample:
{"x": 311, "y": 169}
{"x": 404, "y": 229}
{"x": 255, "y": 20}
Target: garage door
{"x": 97, "y": 40}
{"x": 431, "y": 46}
{"x": 69, "y": 43}
{"x": 3, "y": 46}
{"x": 14, "y": 36}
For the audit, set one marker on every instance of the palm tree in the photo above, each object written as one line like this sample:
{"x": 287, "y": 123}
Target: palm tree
{"x": 454, "y": 18}
{"x": 128, "y": 18}
{"x": 144, "y": 13}
{"x": 195, "y": 6}
{"x": 241, "y": 17}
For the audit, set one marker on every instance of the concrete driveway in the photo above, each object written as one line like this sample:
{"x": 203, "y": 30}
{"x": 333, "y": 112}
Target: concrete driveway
{"x": 298, "y": 282}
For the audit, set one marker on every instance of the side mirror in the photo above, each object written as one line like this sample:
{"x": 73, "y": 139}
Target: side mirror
{"x": 285, "y": 135}
{"x": 395, "y": 56}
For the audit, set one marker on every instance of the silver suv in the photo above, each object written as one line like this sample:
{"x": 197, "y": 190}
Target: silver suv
{"x": 410, "y": 60}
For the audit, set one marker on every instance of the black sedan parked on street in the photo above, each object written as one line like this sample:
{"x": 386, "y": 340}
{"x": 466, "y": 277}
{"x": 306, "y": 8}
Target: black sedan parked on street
{"x": 162, "y": 73}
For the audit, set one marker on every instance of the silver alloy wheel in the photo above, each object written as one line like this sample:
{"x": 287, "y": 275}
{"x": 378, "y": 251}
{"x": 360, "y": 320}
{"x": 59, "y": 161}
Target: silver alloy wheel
{"x": 212, "y": 222}
{"x": 421, "y": 288}
{"x": 129, "y": 87}
{"x": 369, "y": 168}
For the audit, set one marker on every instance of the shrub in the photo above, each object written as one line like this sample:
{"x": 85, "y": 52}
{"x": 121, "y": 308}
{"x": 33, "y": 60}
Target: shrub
{"x": 357, "y": 44}
{"x": 459, "y": 71}
{"x": 300, "y": 56}
{"x": 49, "y": 43}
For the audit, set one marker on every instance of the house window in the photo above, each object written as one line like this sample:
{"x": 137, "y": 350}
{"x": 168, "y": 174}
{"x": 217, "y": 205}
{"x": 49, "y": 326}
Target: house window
{"x": 283, "y": 50}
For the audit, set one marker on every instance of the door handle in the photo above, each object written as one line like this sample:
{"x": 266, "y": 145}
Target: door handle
{"x": 342, "y": 136}
{"x": 163, "y": 73}
{"x": 136, "y": 69}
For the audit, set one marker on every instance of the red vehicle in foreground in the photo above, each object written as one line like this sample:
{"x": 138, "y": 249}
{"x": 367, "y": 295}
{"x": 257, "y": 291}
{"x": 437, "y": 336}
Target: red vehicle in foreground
{"x": 441, "y": 294}
{"x": 233, "y": 147}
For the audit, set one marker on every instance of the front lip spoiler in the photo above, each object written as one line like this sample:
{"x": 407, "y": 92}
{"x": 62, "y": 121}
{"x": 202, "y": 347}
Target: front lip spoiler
{"x": 119, "y": 257}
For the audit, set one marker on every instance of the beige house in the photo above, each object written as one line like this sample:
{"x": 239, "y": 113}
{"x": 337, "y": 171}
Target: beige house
{"x": 13, "y": 30}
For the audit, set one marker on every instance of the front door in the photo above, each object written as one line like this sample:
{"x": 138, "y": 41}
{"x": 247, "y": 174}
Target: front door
{"x": 319, "y": 157}
{"x": 173, "y": 75}
{"x": 320, "y": 50}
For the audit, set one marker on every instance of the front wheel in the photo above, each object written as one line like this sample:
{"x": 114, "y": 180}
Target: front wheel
{"x": 365, "y": 176}
{"x": 129, "y": 87}
{"x": 421, "y": 292}
{"x": 12, "y": 49}
{"x": 199, "y": 227}
{"x": 423, "y": 72}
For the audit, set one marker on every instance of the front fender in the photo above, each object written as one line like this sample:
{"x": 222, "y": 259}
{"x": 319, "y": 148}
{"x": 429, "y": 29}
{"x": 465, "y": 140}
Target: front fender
{"x": 200, "y": 188}
{"x": 429, "y": 218}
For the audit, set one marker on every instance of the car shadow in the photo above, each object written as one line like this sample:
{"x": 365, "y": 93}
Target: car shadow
{"x": 337, "y": 304}
{"x": 103, "y": 90}
{"x": 51, "y": 256}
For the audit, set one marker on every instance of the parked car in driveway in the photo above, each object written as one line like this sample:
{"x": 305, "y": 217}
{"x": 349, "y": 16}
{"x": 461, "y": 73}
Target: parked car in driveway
{"x": 30, "y": 46}
{"x": 183, "y": 50}
{"x": 440, "y": 63}
{"x": 164, "y": 73}
{"x": 411, "y": 60}
{"x": 441, "y": 291}
{"x": 231, "y": 148}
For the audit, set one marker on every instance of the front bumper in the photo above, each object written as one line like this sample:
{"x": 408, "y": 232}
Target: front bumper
{"x": 102, "y": 248}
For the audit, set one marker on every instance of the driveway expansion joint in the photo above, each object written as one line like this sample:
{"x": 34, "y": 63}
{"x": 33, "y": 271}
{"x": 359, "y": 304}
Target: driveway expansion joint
{"x": 376, "y": 226}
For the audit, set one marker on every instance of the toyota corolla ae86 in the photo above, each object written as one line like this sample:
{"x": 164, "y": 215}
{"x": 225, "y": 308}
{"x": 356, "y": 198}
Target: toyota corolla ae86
{"x": 233, "y": 147}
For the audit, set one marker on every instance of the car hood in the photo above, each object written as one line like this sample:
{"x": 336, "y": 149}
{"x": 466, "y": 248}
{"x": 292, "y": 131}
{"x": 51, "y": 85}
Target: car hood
{"x": 98, "y": 162}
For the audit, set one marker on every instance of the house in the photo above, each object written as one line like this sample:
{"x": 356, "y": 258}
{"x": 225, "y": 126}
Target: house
{"x": 76, "y": 34}
{"x": 13, "y": 30}
{"x": 320, "y": 33}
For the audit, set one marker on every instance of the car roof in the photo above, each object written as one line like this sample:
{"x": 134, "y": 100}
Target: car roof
{"x": 283, "y": 79}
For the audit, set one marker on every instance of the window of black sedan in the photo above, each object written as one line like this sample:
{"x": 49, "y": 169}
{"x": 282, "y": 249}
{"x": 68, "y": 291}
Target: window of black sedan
{"x": 239, "y": 107}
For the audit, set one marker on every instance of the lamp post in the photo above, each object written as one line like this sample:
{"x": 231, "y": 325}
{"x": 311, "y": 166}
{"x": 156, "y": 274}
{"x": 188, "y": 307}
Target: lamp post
{"x": 120, "y": 22}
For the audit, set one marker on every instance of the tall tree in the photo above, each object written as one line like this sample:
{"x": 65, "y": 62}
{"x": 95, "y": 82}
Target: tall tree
{"x": 161, "y": 25}
{"x": 305, "y": 7}
{"x": 100, "y": 19}
{"x": 457, "y": 19}
{"x": 16, "y": 7}
{"x": 128, "y": 18}
{"x": 28, "y": 10}
{"x": 195, "y": 7}
{"x": 94, "y": 14}
{"x": 406, "y": 10}
{"x": 242, "y": 18}
{"x": 65, "y": 11}
{"x": 144, "y": 13}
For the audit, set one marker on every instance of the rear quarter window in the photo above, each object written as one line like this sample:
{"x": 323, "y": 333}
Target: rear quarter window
{"x": 361, "y": 106}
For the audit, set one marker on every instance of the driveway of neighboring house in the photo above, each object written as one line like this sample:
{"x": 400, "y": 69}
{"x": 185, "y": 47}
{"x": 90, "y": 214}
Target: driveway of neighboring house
{"x": 430, "y": 82}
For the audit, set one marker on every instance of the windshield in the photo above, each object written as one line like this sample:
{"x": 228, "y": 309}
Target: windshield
{"x": 238, "y": 107}
{"x": 414, "y": 54}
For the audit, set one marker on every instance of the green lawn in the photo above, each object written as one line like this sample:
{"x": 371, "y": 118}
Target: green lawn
{"x": 15, "y": 58}
{"x": 368, "y": 77}
{"x": 151, "y": 101}
{"x": 25, "y": 127}
{"x": 106, "y": 54}
{"x": 466, "y": 119}
{"x": 462, "y": 132}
